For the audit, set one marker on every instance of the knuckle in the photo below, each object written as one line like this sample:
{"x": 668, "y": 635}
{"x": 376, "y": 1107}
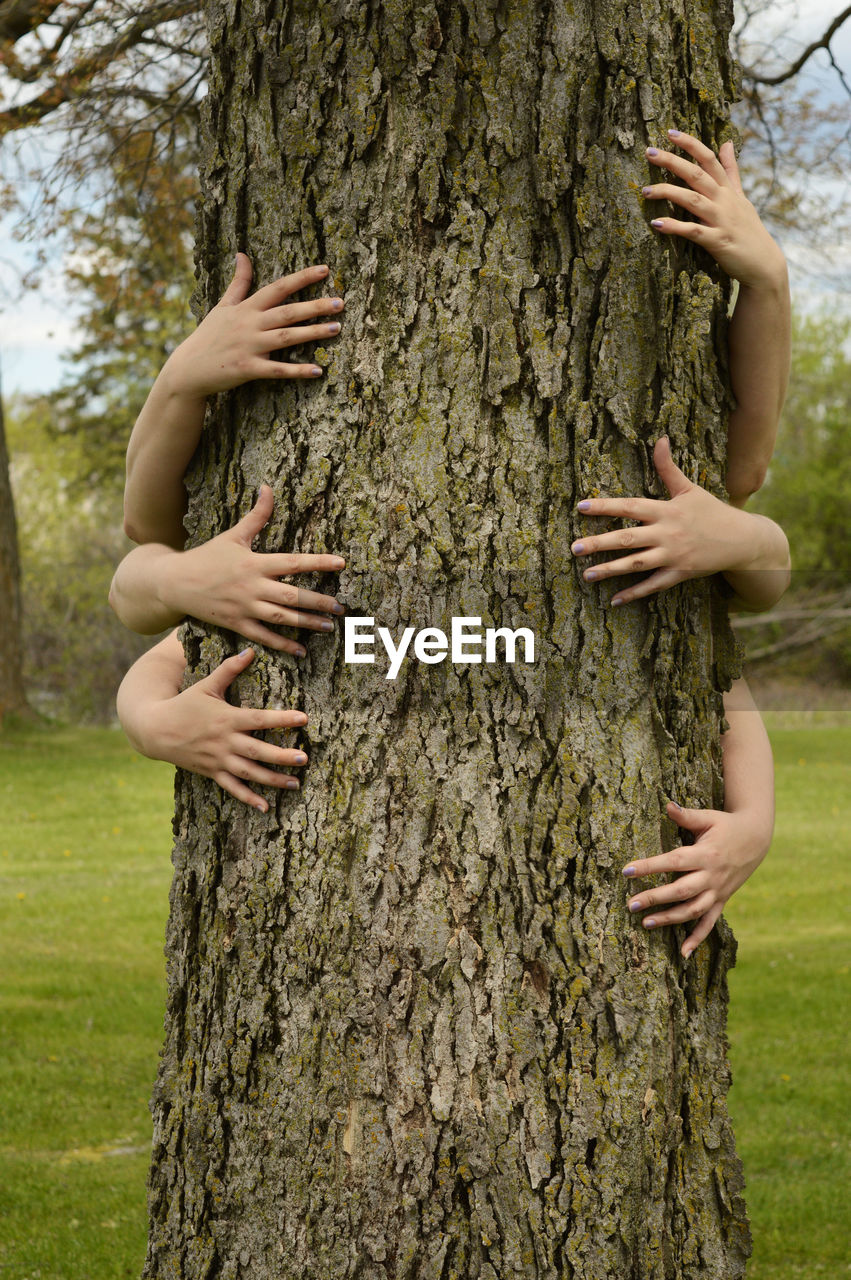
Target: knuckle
{"x": 627, "y": 537}
{"x": 676, "y": 860}
{"x": 636, "y": 563}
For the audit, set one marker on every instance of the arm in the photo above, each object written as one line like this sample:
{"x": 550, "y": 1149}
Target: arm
{"x": 232, "y": 345}
{"x": 759, "y": 335}
{"x": 226, "y": 583}
{"x": 199, "y": 730}
{"x": 730, "y": 844}
{"x": 691, "y": 535}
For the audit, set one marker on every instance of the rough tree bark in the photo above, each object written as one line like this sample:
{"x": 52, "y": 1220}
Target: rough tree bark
{"x": 412, "y": 1031}
{"x": 12, "y": 697}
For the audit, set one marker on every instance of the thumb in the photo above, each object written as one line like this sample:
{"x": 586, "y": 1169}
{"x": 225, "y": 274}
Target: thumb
{"x": 238, "y": 288}
{"x": 690, "y": 819}
{"x": 220, "y": 680}
{"x": 257, "y": 518}
{"x": 669, "y": 473}
{"x": 727, "y": 156}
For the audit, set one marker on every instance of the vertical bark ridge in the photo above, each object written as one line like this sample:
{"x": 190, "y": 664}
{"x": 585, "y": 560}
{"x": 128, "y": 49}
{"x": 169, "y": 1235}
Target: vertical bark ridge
{"x": 412, "y": 1031}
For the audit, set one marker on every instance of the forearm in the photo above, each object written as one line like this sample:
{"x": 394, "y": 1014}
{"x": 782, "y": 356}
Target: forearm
{"x": 763, "y": 574}
{"x": 152, "y": 679}
{"x": 748, "y": 763}
{"x": 161, "y": 446}
{"x": 139, "y": 592}
{"x": 759, "y": 341}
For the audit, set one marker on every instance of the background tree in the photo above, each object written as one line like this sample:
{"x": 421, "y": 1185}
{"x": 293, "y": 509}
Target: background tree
{"x": 411, "y": 1029}
{"x": 12, "y": 698}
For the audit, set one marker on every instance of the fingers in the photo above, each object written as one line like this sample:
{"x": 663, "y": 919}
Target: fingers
{"x": 260, "y": 368}
{"x": 224, "y": 675}
{"x": 687, "y": 911}
{"x": 691, "y": 819}
{"x": 268, "y": 753}
{"x": 240, "y": 791}
{"x": 297, "y": 312}
{"x": 727, "y": 156}
{"x": 254, "y": 630}
{"x": 626, "y": 508}
{"x": 284, "y": 593}
{"x": 661, "y": 580}
{"x": 669, "y": 473}
{"x": 615, "y": 540}
{"x": 692, "y": 201}
{"x": 688, "y": 858}
{"x": 229, "y": 782}
{"x": 284, "y": 564}
{"x": 261, "y": 719}
{"x": 248, "y": 771}
{"x": 281, "y": 616}
{"x": 686, "y": 888}
{"x": 257, "y": 518}
{"x": 238, "y": 288}
{"x": 645, "y": 560}
{"x": 280, "y": 339}
{"x": 703, "y": 929}
{"x": 272, "y": 295}
{"x": 703, "y": 172}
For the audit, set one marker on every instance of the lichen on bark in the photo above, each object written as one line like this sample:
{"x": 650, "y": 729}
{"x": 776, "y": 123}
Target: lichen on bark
{"x": 412, "y": 1031}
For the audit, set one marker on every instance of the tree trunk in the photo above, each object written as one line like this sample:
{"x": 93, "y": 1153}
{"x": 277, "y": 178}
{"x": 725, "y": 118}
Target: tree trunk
{"x": 12, "y": 698}
{"x": 412, "y": 1030}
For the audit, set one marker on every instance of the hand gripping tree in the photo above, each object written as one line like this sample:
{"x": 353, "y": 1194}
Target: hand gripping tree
{"x": 412, "y": 1032}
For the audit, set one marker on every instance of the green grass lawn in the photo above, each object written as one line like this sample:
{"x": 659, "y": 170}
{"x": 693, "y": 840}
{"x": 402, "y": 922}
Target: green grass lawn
{"x": 84, "y": 874}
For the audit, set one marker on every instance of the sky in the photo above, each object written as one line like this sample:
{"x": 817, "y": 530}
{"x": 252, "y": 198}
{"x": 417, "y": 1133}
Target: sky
{"x": 38, "y": 328}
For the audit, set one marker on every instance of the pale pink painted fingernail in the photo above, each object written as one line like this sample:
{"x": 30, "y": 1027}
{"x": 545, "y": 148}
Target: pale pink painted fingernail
{"x": 650, "y": 924}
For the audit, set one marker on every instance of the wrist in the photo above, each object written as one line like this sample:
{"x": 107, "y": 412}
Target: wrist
{"x": 769, "y": 278}
{"x": 176, "y": 383}
{"x": 168, "y": 582}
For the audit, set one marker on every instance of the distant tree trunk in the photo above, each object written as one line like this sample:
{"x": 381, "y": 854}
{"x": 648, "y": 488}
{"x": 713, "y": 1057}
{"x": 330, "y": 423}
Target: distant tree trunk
{"x": 412, "y": 1031}
{"x": 12, "y": 698}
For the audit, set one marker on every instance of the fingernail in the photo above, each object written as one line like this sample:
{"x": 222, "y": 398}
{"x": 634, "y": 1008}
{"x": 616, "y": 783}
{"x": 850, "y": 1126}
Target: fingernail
{"x": 261, "y": 808}
{"x": 326, "y": 624}
{"x": 658, "y": 223}
{"x": 316, "y": 371}
{"x": 292, "y": 784}
{"x": 578, "y": 548}
{"x": 301, "y": 653}
{"x": 649, "y": 924}
{"x": 617, "y": 600}
{"x": 673, "y": 133}
{"x": 629, "y": 871}
{"x": 591, "y": 575}
{"x": 677, "y": 806}
{"x": 334, "y": 328}
{"x": 339, "y": 562}
{"x": 646, "y": 191}
{"x": 245, "y": 653}
{"x": 336, "y": 304}
{"x": 651, "y": 151}
{"x": 339, "y": 608}
{"x": 300, "y": 758}
{"x": 687, "y": 954}
{"x": 635, "y": 905}
{"x": 302, "y": 718}
{"x": 584, "y": 504}
{"x": 323, "y": 268}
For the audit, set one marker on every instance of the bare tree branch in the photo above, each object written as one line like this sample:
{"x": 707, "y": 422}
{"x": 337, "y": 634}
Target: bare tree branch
{"x": 74, "y": 82}
{"x": 823, "y": 43}
{"x": 19, "y": 17}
